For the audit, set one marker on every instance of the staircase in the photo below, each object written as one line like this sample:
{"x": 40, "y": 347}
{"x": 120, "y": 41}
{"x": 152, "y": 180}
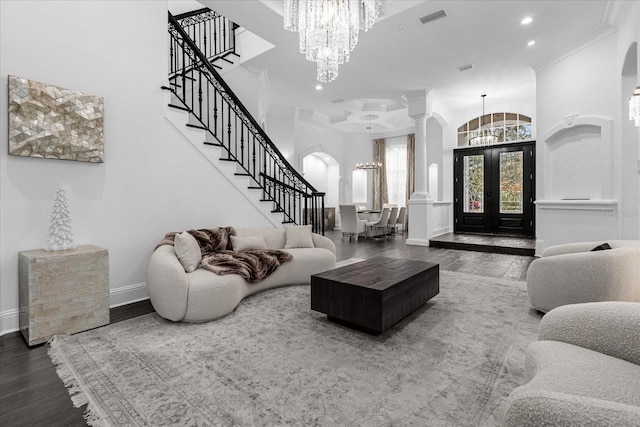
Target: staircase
{"x": 201, "y": 42}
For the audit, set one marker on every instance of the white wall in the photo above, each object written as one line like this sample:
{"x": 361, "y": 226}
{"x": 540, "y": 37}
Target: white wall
{"x": 587, "y": 84}
{"x": 316, "y": 172}
{"x": 152, "y": 180}
{"x": 280, "y": 126}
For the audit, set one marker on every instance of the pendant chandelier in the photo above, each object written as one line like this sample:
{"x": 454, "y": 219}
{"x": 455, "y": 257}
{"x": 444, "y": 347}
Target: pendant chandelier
{"x": 328, "y": 29}
{"x": 634, "y": 107}
{"x": 484, "y": 136}
{"x": 371, "y": 165}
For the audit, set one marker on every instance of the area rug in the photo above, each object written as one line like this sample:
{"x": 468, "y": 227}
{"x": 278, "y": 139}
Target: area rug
{"x": 274, "y": 361}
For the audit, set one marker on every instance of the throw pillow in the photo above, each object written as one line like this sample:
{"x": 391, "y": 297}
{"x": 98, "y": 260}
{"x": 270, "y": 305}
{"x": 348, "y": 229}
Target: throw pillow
{"x": 240, "y": 243}
{"x": 187, "y": 251}
{"x": 298, "y": 236}
{"x": 601, "y": 247}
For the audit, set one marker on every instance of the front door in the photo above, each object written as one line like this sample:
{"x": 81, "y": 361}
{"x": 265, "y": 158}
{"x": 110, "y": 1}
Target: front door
{"x": 494, "y": 189}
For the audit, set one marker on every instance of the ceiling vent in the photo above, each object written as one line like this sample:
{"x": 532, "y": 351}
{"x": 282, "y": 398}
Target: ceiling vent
{"x": 465, "y": 67}
{"x": 433, "y": 16}
{"x": 337, "y": 100}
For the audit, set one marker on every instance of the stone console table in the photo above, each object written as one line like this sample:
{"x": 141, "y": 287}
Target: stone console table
{"x": 62, "y": 292}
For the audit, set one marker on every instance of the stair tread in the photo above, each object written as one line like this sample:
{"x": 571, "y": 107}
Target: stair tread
{"x": 214, "y": 144}
{"x": 196, "y": 126}
{"x": 178, "y": 107}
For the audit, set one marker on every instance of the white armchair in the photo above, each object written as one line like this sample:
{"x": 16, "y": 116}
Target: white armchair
{"x": 584, "y": 370}
{"x": 351, "y": 224}
{"x": 573, "y": 273}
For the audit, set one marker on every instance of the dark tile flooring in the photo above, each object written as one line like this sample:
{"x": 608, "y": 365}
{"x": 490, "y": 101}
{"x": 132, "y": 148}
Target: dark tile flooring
{"x": 31, "y": 394}
{"x": 486, "y": 243}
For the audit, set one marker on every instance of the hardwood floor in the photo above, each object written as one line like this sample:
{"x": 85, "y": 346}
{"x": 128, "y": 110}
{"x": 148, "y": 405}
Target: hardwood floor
{"x": 31, "y": 394}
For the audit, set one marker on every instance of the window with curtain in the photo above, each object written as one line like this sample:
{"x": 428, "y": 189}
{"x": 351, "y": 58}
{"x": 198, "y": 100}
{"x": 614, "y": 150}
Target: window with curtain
{"x": 396, "y": 163}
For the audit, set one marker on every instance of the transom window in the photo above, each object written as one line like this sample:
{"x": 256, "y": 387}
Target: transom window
{"x": 507, "y": 127}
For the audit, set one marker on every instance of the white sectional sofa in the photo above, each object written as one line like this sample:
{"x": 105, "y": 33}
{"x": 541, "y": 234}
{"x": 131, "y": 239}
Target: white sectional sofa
{"x": 201, "y": 295}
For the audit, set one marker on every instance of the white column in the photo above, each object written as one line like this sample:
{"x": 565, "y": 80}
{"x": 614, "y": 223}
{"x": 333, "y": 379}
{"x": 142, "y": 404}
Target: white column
{"x": 420, "y": 206}
{"x": 421, "y": 189}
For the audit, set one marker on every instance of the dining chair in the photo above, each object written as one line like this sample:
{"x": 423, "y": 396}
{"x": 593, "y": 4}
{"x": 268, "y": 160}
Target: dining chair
{"x": 402, "y": 218}
{"x": 393, "y": 217}
{"x": 351, "y": 224}
{"x": 381, "y": 223}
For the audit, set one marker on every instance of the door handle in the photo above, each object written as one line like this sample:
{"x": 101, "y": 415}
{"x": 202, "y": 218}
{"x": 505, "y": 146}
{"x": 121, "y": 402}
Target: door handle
{"x": 488, "y": 193}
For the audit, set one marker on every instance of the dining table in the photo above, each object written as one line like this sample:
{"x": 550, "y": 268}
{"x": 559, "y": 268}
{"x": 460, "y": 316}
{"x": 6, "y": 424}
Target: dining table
{"x": 370, "y": 215}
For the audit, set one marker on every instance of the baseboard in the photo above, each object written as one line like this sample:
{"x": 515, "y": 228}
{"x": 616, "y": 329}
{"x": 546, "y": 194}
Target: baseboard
{"x": 128, "y": 294}
{"x": 417, "y": 242}
{"x": 442, "y": 230}
{"x": 10, "y": 319}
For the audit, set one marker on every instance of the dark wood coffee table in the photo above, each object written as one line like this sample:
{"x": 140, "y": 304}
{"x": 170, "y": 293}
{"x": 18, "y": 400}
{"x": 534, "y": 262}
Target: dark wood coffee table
{"x": 375, "y": 294}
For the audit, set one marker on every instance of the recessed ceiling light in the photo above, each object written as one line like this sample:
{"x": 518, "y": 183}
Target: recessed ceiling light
{"x": 318, "y": 87}
{"x": 531, "y": 43}
{"x": 527, "y": 20}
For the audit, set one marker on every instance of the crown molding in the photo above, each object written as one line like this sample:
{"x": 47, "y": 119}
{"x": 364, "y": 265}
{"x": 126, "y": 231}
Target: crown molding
{"x": 614, "y": 12}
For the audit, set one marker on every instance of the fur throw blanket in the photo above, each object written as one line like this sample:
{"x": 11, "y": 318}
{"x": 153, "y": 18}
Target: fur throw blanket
{"x": 253, "y": 265}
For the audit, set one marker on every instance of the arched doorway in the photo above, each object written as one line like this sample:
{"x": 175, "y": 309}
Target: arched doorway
{"x": 323, "y": 172}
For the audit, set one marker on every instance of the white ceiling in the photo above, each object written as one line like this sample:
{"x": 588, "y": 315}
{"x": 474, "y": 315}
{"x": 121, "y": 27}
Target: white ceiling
{"x": 400, "y": 55}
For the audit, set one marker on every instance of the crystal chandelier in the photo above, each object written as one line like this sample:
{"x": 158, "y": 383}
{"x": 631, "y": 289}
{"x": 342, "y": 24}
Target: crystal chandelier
{"x": 634, "y": 106}
{"x": 329, "y": 29}
{"x": 484, "y": 136}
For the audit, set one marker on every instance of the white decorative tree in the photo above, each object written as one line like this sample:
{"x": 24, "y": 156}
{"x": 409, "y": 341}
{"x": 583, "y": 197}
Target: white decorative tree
{"x": 60, "y": 235}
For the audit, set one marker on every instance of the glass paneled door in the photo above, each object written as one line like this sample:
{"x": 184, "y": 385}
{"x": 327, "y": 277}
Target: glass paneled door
{"x": 494, "y": 189}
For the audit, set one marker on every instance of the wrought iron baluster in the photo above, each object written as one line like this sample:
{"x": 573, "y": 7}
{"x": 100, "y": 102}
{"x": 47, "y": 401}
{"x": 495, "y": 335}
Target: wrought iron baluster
{"x": 208, "y": 109}
{"x": 204, "y": 40}
{"x": 184, "y": 77}
{"x": 255, "y": 173}
{"x": 241, "y": 143}
{"x": 215, "y": 113}
{"x": 200, "y": 94}
{"x": 229, "y": 126}
{"x": 224, "y": 35}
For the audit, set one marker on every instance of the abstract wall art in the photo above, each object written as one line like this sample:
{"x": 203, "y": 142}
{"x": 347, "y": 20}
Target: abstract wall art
{"x": 51, "y": 122}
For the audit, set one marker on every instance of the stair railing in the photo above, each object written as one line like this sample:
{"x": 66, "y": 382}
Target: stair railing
{"x": 214, "y": 34}
{"x": 197, "y": 84}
